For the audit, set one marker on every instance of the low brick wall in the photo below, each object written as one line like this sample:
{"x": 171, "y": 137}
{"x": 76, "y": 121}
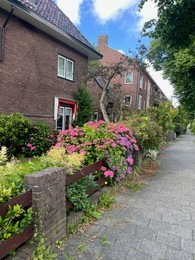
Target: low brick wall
{"x": 48, "y": 203}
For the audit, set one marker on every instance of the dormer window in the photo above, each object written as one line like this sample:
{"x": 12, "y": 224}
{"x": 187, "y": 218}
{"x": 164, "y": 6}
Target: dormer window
{"x": 65, "y": 68}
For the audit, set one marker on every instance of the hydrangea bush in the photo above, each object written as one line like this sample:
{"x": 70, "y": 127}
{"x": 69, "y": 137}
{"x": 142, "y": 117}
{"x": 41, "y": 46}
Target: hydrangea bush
{"x": 114, "y": 143}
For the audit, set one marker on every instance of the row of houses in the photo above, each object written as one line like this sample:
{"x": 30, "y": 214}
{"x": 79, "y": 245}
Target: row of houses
{"x": 42, "y": 59}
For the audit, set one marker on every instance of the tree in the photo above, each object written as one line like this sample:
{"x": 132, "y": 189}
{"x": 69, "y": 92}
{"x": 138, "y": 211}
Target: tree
{"x": 85, "y": 106}
{"x": 102, "y": 76}
{"x": 173, "y": 46}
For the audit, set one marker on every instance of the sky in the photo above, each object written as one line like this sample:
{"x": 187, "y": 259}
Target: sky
{"x": 120, "y": 20}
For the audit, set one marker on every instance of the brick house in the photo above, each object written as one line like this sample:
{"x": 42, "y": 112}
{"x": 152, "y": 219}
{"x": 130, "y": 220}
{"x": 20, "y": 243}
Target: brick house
{"x": 42, "y": 58}
{"x": 138, "y": 88}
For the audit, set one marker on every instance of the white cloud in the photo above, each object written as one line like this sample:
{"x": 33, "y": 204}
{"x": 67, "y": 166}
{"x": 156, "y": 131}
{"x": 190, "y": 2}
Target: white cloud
{"x": 71, "y": 9}
{"x": 121, "y": 51}
{"x": 107, "y": 10}
{"x": 148, "y": 12}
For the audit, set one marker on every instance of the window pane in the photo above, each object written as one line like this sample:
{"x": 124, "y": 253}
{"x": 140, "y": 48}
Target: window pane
{"x": 60, "y": 122}
{"x": 129, "y": 77}
{"x": 61, "y": 66}
{"x": 69, "y": 69}
{"x": 127, "y": 101}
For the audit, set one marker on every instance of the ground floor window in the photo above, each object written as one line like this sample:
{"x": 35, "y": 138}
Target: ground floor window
{"x": 64, "y": 118}
{"x": 65, "y": 112}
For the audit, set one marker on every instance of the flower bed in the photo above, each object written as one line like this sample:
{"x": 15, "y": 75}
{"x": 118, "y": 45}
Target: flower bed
{"x": 113, "y": 143}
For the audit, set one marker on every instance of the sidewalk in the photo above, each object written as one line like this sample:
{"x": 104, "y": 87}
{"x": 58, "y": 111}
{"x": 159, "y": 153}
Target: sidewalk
{"x": 157, "y": 222}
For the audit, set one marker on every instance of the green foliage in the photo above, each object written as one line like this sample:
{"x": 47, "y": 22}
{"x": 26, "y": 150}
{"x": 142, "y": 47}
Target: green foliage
{"x": 40, "y": 141}
{"x": 106, "y": 200}
{"x": 148, "y": 133}
{"x": 180, "y": 120}
{"x": 134, "y": 186}
{"x": 85, "y": 106}
{"x": 104, "y": 240}
{"x": 193, "y": 126}
{"x": 173, "y": 46}
{"x": 14, "y": 132}
{"x": 3, "y": 155}
{"x": 43, "y": 252}
{"x": 163, "y": 115}
{"x": 77, "y": 193}
{"x": 14, "y": 222}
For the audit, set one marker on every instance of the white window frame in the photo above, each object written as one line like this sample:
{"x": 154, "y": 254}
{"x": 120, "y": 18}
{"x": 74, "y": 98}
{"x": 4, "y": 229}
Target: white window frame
{"x": 130, "y": 102}
{"x": 126, "y": 78}
{"x": 141, "y": 81}
{"x": 95, "y": 116}
{"x": 66, "y": 74}
{"x": 63, "y": 114}
{"x": 140, "y": 102}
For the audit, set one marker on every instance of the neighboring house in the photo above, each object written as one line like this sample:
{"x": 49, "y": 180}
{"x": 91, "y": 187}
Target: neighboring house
{"x": 42, "y": 58}
{"x": 139, "y": 90}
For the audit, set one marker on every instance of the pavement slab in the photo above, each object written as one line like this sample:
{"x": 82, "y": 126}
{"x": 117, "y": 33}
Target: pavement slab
{"x": 157, "y": 222}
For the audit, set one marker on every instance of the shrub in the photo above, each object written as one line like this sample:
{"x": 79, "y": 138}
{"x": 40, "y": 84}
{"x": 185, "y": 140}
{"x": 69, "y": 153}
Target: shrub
{"x": 148, "y": 133}
{"x": 85, "y": 106}
{"x": 113, "y": 143}
{"x": 163, "y": 115}
{"x": 180, "y": 120}
{"x": 40, "y": 140}
{"x": 14, "y": 132}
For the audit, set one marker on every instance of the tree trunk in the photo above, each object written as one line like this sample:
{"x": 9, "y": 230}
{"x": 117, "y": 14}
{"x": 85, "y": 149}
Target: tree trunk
{"x": 102, "y": 106}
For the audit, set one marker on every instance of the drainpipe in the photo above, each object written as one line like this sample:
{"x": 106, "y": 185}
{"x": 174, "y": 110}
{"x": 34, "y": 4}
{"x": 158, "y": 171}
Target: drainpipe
{"x": 3, "y": 34}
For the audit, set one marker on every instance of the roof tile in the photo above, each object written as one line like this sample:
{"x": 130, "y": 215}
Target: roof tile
{"x": 48, "y": 10}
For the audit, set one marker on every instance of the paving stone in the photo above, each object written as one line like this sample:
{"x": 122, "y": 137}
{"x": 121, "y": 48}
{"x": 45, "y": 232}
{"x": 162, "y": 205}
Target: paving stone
{"x": 153, "y": 248}
{"x": 169, "y": 240}
{"x": 188, "y": 245}
{"x": 174, "y": 254}
{"x": 181, "y": 231}
{"x": 137, "y": 255}
{"x": 160, "y": 226}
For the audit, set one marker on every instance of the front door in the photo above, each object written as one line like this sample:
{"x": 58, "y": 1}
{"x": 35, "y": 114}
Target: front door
{"x": 64, "y": 118}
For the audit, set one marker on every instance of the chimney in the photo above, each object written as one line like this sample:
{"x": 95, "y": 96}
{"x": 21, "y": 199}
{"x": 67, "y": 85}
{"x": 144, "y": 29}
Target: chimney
{"x": 102, "y": 40}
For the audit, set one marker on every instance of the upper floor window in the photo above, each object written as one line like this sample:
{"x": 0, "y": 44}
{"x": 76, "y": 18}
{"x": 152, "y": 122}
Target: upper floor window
{"x": 128, "y": 77}
{"x": 65, "y": 68}
{"x": 140, "y": 102}
{"x": 128, "y": 100}
{"x": 141, "y": 81}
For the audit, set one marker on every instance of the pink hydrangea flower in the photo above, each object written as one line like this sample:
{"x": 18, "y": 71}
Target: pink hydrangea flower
{"x": 109, "y": 174}
{"x": 136, "y": 147}
{"x": 130, "y": 160}
{"x": 103, "y": 168}
{"x": 29, "y": 145}
{"x": 82, "y": 152}
{"x": 58, "y": 144}
{"x": 33, "y": 148}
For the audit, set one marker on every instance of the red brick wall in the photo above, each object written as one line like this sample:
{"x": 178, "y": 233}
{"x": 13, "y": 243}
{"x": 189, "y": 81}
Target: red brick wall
{"x": 111, "y": 56}
{"x": 28, "y": 73}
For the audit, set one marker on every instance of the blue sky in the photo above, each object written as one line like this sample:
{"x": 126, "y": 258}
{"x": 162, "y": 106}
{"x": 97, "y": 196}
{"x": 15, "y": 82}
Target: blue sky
{"x": 119, "y": 19}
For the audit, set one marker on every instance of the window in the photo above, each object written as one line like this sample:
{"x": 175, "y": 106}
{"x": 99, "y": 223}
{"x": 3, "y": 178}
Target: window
{"x": 127, "y": 100}
{"x": 95, "y": 116}
{"x": 141, "y": 82}
{"x": 65, "y": 68}
{"x": 64, "y": 118}
{"x": 145, "y": 85}
{"x": 140, "y": 102}
{"x": 129, "y": 78}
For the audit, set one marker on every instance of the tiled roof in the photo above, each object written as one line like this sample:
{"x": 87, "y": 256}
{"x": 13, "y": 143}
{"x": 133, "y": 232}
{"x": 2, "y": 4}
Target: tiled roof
{"x": 48, "y": 10}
